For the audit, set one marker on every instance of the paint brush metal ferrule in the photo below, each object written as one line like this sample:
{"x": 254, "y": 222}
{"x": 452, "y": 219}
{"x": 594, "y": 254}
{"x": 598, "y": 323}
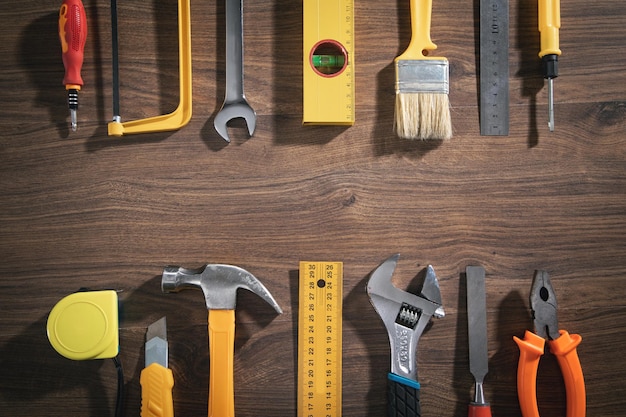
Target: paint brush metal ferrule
{"x": 422, "y": 76}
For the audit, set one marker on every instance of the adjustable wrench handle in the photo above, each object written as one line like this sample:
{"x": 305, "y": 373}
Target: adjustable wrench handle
{"x": 403, "y": 397}
{"x": 221, "y": 354}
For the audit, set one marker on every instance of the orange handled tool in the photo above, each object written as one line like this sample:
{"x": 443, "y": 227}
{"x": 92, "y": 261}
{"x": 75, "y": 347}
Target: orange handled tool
{"x": 562, "y": 345}
{"x": 73, "y": 34}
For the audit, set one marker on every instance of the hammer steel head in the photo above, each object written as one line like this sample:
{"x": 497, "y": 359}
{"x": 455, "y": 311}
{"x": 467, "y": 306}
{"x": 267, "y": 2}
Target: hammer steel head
{"x": 218, "y": 282}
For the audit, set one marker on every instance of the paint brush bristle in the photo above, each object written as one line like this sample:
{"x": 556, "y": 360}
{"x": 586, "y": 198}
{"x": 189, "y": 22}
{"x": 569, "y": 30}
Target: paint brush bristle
{"x": 422, "y": 108}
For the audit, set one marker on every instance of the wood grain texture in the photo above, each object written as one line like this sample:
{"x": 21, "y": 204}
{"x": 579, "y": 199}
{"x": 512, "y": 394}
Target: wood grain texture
{"x": 85, "y": 210}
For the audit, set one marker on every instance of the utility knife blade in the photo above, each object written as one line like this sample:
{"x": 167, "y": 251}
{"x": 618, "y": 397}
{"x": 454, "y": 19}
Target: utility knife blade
{"x": 156, "y": 343}
{"x": 156, "y": 378}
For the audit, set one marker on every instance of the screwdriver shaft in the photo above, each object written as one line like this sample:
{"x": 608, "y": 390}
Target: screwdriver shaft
{"x": 551, "y": 104}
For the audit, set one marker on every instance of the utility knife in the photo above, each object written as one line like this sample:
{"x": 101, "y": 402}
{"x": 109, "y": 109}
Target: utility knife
{"x": 156, "y": 378}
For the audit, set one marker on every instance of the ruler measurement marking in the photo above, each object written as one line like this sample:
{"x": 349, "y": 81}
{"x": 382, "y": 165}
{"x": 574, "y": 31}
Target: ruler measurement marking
{"x": 494, "y": 67}
{"x": 319, "y": 339}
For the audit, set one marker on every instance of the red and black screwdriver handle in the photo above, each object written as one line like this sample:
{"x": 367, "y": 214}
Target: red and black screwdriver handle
{"x": 73, "y": 35}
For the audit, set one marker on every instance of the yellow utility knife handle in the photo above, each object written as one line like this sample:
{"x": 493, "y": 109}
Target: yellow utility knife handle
{"x": 221, "y": 354}
{"x": 156, "y": 391}
{"x": 420, "y": 44}
{"x": 549, "y": 25}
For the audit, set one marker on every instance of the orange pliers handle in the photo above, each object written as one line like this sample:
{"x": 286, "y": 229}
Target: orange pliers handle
{"x": 564, "y": 348}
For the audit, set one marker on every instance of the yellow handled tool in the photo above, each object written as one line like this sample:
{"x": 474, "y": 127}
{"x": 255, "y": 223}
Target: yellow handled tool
{"x": 156, "y": 378}
{"x": 221, "y": 342}
{"x": 182, "y": 114}
{"x": 219, "y": 283}
{"x": 549, "y": 25}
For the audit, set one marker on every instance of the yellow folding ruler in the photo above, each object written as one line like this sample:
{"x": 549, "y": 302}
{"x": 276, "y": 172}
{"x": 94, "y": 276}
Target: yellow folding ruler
{"x": 328, "y": 67}
{"x": 319, "y": 339}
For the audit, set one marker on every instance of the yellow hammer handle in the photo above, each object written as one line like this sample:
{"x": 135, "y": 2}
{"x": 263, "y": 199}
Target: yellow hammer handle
{"x": 156, "y": 391}
{"x": 221, "y": 353}
{"x": 549, "y": 25}
{"x": 421, "y": 11}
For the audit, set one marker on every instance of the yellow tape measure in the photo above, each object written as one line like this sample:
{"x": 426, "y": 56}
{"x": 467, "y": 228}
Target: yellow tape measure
{"x": 319, "y": 339}
{"x": 328, "y": 62}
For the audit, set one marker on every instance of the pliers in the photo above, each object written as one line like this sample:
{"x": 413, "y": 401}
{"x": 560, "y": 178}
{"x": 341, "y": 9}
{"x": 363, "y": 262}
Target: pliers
{"x": 562, "y": 345}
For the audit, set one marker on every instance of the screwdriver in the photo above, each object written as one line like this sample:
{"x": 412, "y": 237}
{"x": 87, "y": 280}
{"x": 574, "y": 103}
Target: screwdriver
{"x": 549, "y": 24}
{"x": 73, "y": 34}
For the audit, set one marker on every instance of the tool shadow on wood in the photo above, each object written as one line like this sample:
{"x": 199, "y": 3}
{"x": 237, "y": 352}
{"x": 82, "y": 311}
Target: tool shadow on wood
{"x": 30, "y": 357}
{"x": 527, "y": 43}
{"x": 39, "y": 58}
{"x": 358, "y": 313}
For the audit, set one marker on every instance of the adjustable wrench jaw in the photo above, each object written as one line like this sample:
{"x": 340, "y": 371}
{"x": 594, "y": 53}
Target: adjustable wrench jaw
{"x": 404, "y": 314}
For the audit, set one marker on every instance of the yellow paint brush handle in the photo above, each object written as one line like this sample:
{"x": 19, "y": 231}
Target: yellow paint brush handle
{"x": 221, "y": 354}
{"x": 420, "y": 44}
{"x": 549, "y": 25}
{"x": 156, "y": 391}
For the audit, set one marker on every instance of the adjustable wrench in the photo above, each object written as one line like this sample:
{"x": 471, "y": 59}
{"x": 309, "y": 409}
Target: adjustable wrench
{"x": 235, "y": 103}
{"x": 405, "y": 316}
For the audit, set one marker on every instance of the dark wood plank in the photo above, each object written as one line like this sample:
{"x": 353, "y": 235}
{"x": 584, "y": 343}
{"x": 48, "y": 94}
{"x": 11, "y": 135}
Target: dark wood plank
{"x": 86, "y": 210}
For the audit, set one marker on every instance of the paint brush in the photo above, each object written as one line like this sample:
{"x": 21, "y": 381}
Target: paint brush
{"x": 422, "y": 105}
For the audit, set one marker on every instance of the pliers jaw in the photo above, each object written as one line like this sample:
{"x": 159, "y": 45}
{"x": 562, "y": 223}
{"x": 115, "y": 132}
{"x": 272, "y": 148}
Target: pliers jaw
{"x": 544, "y": 306}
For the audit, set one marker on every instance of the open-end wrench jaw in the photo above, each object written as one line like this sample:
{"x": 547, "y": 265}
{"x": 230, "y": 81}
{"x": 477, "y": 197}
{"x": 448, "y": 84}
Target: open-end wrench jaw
{"x": 234, "y": 110}
{"x": 404, "y": 314}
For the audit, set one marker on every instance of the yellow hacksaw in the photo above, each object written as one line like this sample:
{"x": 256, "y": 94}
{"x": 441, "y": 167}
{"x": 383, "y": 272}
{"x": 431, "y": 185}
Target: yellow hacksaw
{"x": 182, "y": 114}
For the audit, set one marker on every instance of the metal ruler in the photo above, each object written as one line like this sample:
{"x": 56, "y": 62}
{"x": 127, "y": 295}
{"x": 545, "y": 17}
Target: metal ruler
{"x": 494, "y": 67}
{"x": 319, "y": 339}
{"x": 328, "y": 62}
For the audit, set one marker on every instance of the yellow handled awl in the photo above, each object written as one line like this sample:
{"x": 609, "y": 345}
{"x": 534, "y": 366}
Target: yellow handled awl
{"x": 549, "y": 24}
{"x": 156, "y": 378}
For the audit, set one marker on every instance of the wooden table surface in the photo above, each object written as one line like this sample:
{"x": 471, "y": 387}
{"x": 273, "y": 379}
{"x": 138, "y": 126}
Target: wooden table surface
{"x": 81, "y": 209}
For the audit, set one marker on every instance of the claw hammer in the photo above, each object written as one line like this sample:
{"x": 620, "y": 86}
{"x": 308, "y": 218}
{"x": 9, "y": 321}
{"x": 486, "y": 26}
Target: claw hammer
{"x": 219, "y": 283}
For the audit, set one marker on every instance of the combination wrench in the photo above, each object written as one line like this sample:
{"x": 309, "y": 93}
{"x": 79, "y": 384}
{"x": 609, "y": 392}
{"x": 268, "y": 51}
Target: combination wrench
{"x": 235, "y": 103}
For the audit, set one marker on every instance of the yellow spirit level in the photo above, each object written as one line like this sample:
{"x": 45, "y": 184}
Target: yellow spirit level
{"x": 328, "y": 59}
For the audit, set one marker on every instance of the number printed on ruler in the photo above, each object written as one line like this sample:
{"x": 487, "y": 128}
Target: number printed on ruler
{"x": 319, "y": 339}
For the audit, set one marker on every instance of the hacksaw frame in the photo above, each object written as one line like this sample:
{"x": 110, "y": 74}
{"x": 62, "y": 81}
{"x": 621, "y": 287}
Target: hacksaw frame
{"x": 182, "y": 114}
